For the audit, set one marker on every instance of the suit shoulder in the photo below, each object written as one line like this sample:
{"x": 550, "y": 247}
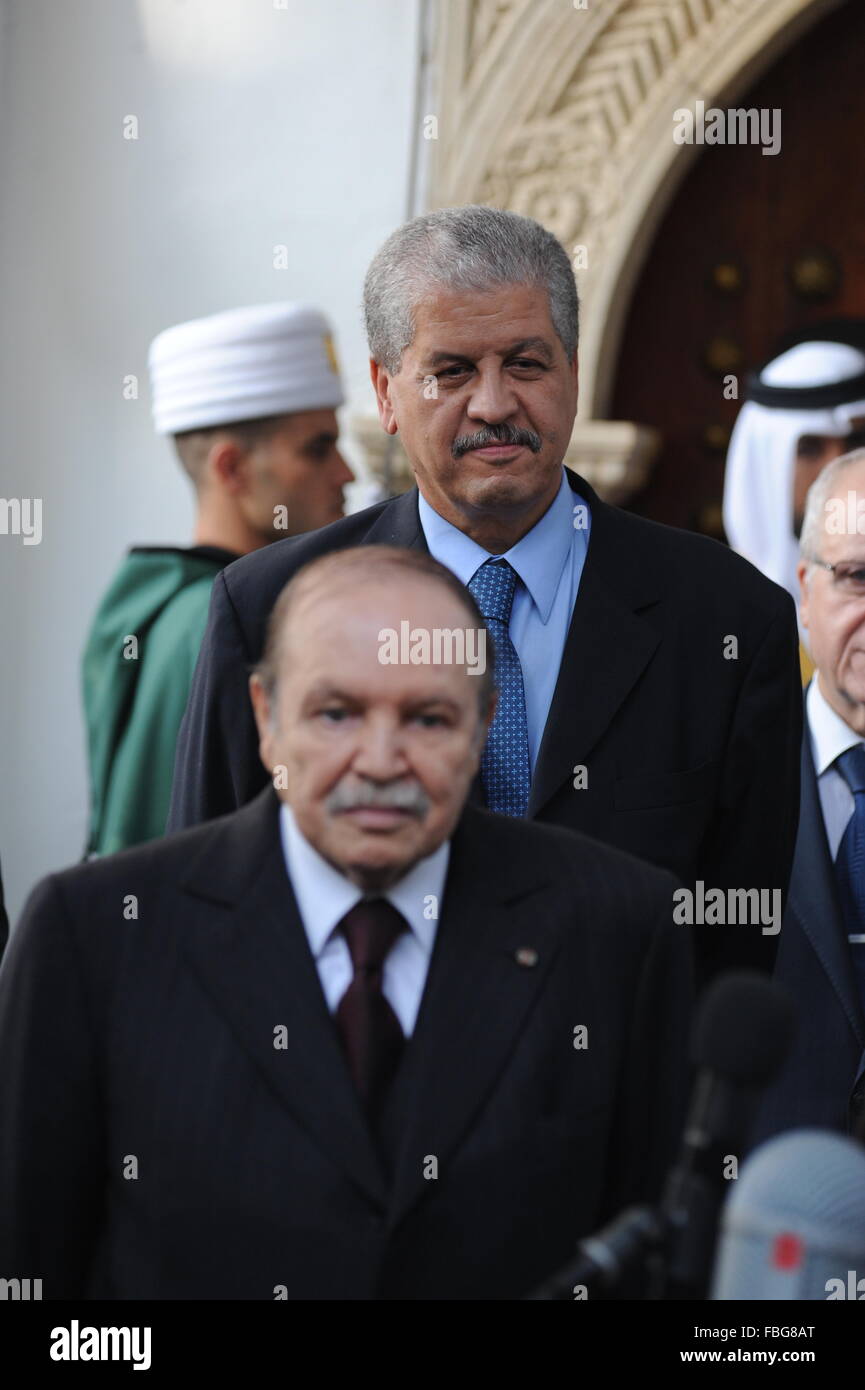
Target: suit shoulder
{"x": 568, "y": 856}
{"x": 264, "y": 572}
{"x": 160, "y": 861}
{"x": 707, "y": 566}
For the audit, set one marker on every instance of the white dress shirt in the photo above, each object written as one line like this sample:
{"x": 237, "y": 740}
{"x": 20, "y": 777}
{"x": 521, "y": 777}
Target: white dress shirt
{"x": 830, "y": 737}
{"x": 324, "y": 896}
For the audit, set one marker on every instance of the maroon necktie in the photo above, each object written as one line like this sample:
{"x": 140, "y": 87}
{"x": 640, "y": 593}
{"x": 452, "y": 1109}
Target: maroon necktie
{"x": 370, "y": 1030}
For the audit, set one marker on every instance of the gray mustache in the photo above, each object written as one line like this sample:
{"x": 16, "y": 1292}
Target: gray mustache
{"x": 400, "y": 796}
{"x": 496, "y": 434}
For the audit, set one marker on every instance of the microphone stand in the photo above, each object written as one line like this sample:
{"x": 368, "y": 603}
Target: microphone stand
{"x": 633, "y": 1243}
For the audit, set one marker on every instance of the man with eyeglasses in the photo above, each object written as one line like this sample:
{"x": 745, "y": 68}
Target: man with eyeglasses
{"x": 821, "y": 957}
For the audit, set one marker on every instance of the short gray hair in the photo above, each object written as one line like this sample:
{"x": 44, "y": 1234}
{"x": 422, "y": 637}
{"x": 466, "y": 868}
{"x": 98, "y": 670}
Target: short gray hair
{"x": 814, "y": 520}
{"x": 467, "y": 248}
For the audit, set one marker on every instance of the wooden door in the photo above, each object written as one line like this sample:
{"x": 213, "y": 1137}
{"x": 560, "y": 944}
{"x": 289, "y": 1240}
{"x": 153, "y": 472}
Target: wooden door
{"x": 752, "y": 246}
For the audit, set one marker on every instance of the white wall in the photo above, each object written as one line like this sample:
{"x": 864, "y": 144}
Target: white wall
{"x": 258, "y": 125}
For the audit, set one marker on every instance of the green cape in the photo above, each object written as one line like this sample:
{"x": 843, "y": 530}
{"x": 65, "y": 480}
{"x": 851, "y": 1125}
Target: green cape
{"x": 137, "y": 670}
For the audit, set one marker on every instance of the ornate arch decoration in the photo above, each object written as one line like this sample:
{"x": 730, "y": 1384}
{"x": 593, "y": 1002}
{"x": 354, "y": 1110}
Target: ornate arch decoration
{"x": 563, "y": 110}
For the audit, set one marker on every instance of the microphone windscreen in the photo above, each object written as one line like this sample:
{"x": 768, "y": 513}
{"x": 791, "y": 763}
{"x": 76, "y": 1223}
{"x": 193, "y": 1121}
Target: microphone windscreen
{"x": 744, "y": 1028}
{"x": 795, "y": 1220}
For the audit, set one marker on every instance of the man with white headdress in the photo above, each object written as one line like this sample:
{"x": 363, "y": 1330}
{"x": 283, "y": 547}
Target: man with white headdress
{"x": 803, "y": 408}
{"x": 249, "y": 397}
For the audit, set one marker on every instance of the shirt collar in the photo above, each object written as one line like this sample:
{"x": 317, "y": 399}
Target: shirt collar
{"x": 324, "y": 895}
{"x": 538, "y": 558}
{"x": 830, "y": 734}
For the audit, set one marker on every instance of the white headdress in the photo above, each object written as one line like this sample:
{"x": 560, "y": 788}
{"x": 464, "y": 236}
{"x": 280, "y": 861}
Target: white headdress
{"x": 816, "y": 387}
{"x": 243, "y": 364}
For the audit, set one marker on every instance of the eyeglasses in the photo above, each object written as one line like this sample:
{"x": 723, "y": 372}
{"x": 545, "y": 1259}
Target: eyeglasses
{"x": 848, "y": 576}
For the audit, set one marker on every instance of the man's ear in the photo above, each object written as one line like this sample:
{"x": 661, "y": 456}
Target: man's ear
{"x": 484, "y": 723}
{"x": 802, "y": 575}
{"x": 227, "y": 465}
{"x": 262, "y": 712}
{"x": 381, "y": 380}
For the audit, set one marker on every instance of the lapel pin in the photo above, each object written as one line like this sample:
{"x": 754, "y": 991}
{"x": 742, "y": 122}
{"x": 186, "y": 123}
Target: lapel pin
{"x": 526, "y": 956}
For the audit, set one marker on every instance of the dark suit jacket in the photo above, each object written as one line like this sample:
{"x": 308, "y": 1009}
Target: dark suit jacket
{"x": 692, "y": 760}
{"x": 4, "y": 922}
{"x": 822, "y": 1082}
{"x": 153, "y": 1040}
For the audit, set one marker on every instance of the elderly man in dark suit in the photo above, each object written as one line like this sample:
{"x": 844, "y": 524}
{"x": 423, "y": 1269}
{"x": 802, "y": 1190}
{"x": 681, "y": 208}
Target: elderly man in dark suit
{"x": 355, "y": 1040}
{"x": 821, "y": 957}
{"x": 650, "y": 694}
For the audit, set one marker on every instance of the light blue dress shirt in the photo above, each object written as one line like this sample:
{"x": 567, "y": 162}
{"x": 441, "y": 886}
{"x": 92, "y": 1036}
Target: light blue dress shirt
{"x": 549, "y": 564}
{"x": 324, "y": 896}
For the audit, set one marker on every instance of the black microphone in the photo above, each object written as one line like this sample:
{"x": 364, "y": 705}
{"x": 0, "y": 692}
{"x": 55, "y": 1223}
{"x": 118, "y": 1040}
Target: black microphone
{"x": 741, "y": 1037}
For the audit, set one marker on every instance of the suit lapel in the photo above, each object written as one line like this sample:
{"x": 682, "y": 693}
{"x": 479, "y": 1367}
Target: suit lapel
{"x": 399, "y": 524}
{"x": 246, "y": 944}
{"x": 606, "y": 651}
{"x": 474, "y": 1006}
{"x": 249, "y": 949}
{"x": 813, "y": 896}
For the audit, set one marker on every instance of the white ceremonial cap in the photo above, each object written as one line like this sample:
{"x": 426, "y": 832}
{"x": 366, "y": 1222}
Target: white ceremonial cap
{"x": 243, "y": 364}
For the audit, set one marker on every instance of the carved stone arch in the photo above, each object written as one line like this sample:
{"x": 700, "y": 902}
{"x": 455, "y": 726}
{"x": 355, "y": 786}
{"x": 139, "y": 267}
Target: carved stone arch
{"x": 566, "y": 114}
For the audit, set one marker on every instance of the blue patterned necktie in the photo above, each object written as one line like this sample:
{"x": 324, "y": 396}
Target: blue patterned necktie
{"x": 505, "y": 767}
{"x": 850, "y": 862}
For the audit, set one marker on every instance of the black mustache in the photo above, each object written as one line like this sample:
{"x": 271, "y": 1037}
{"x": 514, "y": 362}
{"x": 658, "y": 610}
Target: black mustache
{"x": 496, "y": 434}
